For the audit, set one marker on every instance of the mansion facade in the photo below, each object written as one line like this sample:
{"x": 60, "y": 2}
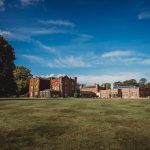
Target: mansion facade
{"x": 63, "y": 86}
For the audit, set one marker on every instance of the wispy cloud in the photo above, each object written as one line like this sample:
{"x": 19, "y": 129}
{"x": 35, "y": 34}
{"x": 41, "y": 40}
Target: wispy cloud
{"x": 40, "y": 31}
{"x": 2, "y": 7}
{"x": 15, "y": 35}
{"x": 82, "y": 38}
{"x": 117, "y": 53}
{"x": 5, "y": 33}
{"x": 87, "y": 36}
{"x": 144, "y": 15}
{"x": 34, "y": 59}
{"x": 68, "y": 62}
{"x": 58, "y": 22}
{"x": 146, "y": 61}
{"x": 26, "y": 34}
{"x": 126, "y": 57}
{"x": 89, "y": 60}
{"x": 43, "y": 31}
{"x": 58, "y": 62}
{"x": 47, "y": 48}
{"x": 25, "y": 3}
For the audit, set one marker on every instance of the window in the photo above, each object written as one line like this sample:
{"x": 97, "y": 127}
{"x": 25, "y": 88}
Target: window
{"x": 31, "y": 94}
{"x": 36, "y": 93}
{"x": 133, "y": 93}
{"x": 125, "y": 94}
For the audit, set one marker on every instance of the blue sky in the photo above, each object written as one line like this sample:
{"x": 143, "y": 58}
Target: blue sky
{"x": 98, "y": 41}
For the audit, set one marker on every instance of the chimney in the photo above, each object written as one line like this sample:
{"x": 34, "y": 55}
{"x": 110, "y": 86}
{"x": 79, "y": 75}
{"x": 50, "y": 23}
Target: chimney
{"x": 97, "y": 87}
{"x": 75, "y": 78}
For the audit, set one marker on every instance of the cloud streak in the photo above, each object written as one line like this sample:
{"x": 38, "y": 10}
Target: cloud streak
{"x": 28, "y": 34}
{"x": 26, "y": 3}
{"x": 34, "y": 59}
{"x": 146, "y": 61}
{"x": 144, "y": 15}
{"x": 117, "y": 53}
{"x": 5, "y": 33}
{"x": 58, "y": 62}
{"x": 69, "y": 62}
{"x": 59, "y": 22}
{"x": 125, "y": 57}
{"x": 47, "y": 48}
{"x": 43, "y": 31}
{"x": 2, "y": 3}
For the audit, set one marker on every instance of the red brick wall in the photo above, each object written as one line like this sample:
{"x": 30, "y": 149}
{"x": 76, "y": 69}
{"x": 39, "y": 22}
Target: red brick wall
{"x": 55, "y": 84}
{"x": 130, "y": 93}
{"x": 36, "y": 85}
{"x": 116, "y": 93}
{"x": 93, "y": 89}
{"x": 144, "y": 92}
{"x": 65, "y": 85}
{"x": 68, "y": 86}
{"x": 105, "y": 93}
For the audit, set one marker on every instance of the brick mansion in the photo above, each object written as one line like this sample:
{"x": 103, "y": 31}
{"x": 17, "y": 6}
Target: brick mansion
{"x": 65, "y": 86}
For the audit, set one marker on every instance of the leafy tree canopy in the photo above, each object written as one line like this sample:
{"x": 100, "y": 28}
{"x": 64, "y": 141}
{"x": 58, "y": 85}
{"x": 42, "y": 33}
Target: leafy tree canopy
{"x": 22, "y": 75}
{"x": 119, "y": 83}
{"x": 143, "y": 80}
{"x": 130, "y": 82}
{"x": 106, "y": 85}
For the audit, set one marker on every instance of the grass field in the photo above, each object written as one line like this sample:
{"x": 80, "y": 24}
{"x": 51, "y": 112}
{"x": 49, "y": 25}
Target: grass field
{"x": 75, "y": 125}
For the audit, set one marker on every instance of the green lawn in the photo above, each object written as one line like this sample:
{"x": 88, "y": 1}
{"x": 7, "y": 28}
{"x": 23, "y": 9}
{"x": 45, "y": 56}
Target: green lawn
{"x": 75, "y": 124}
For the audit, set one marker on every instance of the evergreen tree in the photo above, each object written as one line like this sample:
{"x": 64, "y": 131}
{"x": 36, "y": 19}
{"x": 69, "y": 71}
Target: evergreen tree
{"x": 7, "y": 57}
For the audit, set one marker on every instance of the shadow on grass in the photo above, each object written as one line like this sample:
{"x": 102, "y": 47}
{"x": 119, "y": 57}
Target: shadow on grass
{"x": 34, "y": 138}
{"x": 132, "y": 140}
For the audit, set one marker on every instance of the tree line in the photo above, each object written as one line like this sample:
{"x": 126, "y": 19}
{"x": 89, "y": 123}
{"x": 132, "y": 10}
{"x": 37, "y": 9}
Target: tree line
{"x": 13, "y": 79}
{"x": 143, "y": 83}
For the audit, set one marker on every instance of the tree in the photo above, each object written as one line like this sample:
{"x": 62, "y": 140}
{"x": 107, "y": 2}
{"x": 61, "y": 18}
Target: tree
{"x": 119, "y": 83}
{"x": 22, "y": 75}
{"x": 142, "y": 82}
{"x": 7, "y": 57}
{"x": 130, "y": 82}
{"x": 106, "y": 85}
